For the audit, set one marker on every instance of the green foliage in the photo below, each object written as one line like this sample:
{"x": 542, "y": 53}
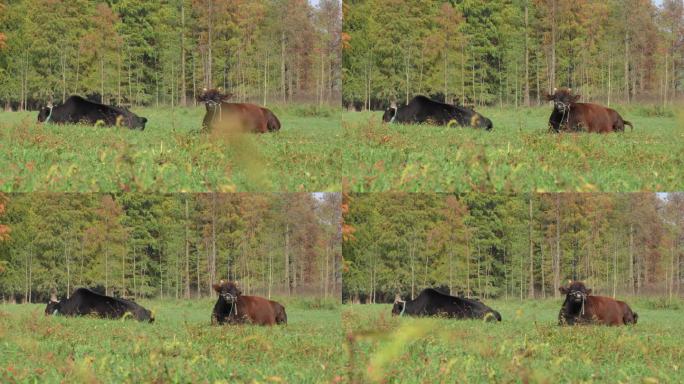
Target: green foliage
{"x": 517, "y": 155}
{"x": 155, "y": 245}
{"x": 527, "y": 346}
{"x": 499, "y": 245}
{"x": 180, "y": 346}
{"x": 164, "y": 52}
{"x": 169, "y": 156}
{"x": 507, "y": 52}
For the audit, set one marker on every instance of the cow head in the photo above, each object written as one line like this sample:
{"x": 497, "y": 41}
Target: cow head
{"x": 390, "y": 113}
{"x": 54, "y": 306}
{"x": 131, "y": 120}
{"x": 479, "y": 121}
{"x": 399, "y": 306}
{"x": 228, "y": 290}
{"x": 45, "y": 113}
{"x": 576, "y": 292}
{"x": 213, "y": 96}
{"x": 562, "y": 98}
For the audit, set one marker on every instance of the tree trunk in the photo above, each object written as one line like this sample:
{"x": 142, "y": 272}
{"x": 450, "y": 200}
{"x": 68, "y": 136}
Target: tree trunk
{"x": 631, "y": 257}
{"x": 63, "y": 62}
{"x": 66, "y": 257}
{"x": 287, "y": 259}
{"x": 526, "y": 94}
{"x": 627, "y": 66}
{"x": 553, "y": 50}
{"x": 102, "y": 76}
{"x": 187, "y": 250}
{"x": 212, "y": 270}
{"x": 557, "y": 256}
{"x": 282, "y": 67}
{"x": 530, "y": 292}
{"x": 467, "y": 263}
{"x": 210, "y": 80}
{"x": 183, "y": 99}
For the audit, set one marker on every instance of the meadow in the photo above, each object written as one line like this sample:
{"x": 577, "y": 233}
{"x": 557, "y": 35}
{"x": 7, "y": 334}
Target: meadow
{"x": 517, "y": 155}
{"x": 179, "y": 347}
{"x": 170, "y": 155}
{"x": 526, "y": 347}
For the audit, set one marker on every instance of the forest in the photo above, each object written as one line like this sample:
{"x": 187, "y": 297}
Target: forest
{"x": 153, "y": 53}
{"x": 511, "y": 246}
{"x": 512, "y": 52}
{"x": 169, "y": 246}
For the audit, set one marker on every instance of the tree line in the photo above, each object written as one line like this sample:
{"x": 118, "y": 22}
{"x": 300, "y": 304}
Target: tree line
{"x": 512, "y": 52}
{"x": 521, "y": 246}
{"x": 169, "y": 246}
{"x": 130, "y": 52}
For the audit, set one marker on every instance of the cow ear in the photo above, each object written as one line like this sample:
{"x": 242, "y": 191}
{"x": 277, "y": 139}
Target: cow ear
{"x": 588, "y": 291}
{"x": 217, "y": 287}
{"x": 563, "y": 290}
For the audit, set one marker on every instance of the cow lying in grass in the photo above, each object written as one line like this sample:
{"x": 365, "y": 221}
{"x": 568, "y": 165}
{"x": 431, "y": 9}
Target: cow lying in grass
{"x": 581, "y": 307}
{"x": 244, "y": 117}
{"x": 569, "y": 115}
{"x": 234, "y": 308}
{"x": 77, "y": 110}
{"x": 431, "y": 302}
{"x": 422, "y": 110}
{"x": 84, "y": 302}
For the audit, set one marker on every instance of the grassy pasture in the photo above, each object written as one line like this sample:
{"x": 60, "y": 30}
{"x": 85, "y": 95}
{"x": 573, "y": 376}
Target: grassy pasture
{"x": 180, "y": 347}
{"x": 517, "y": 155}
{"x": 170, "y": 155}
{"x": 526, "y": 347}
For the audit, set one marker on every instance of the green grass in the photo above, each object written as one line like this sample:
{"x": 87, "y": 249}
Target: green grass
{"x": 170, "y": 156}
{"x": 180, "y": 346}
{"x": 518, "y": 155}
{"x": 526, "y": 347}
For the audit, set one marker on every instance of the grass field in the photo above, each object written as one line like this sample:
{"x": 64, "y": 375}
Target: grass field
{"x": 526, "y": 347}
{"x": 517, "y": 155}
{"x": 170, "y": 156}
{"x": 179, "y": 347}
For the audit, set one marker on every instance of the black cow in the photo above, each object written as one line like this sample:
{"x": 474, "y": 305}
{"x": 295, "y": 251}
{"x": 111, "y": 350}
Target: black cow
{"x": 79, "y": 110}
{"x": 85, "y": 302}
{"x": 431, "y": 302}
{"x": 423, "y": 110}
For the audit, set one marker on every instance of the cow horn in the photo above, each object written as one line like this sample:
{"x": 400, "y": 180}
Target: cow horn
{"x": 204, "y": 89}
{"x": 554, "y": 90}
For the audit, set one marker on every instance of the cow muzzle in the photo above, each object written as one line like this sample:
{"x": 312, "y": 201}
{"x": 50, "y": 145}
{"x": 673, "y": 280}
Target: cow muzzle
{"x": 229, "y": 297}
{"x": 577, "y": 296}
{"x": 561, "y": 106}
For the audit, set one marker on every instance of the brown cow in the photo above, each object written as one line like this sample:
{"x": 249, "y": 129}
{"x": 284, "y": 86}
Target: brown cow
{"x": 569, "y": 115}
{"x": 580, "y": 307}
{"x": 234, "y": 308}
{"x": 248, "y": 117}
